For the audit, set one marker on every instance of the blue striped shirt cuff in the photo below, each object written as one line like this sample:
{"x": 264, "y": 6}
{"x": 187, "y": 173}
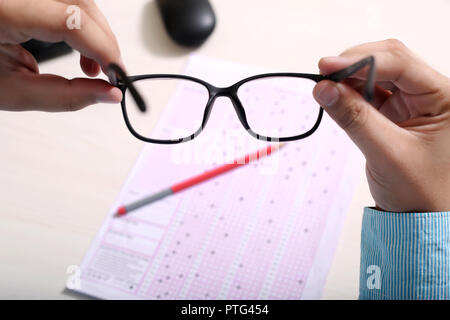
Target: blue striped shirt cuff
{"x": 405, "y": 255}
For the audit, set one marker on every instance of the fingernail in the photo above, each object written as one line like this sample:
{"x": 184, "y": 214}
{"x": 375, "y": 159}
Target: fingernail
{"x": 114, "y": 95}
{"x": 328, "y": 95}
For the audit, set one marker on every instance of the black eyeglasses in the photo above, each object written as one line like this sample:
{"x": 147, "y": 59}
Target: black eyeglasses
{"x": 274, "y": 107}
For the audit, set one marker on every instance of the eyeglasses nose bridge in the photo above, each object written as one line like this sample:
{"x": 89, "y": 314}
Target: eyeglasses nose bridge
{"x": 230, "y": 93}
{"x": 216, "y": 92}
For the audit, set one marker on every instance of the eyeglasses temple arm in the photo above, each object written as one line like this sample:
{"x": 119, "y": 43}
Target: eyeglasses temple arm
{"x": 351, "y": 70}
{"x": 118, "y": 71}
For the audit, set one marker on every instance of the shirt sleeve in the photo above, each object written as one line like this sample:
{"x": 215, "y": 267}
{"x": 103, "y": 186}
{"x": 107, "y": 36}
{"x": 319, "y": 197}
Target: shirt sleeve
{"x": 405, "y": 255}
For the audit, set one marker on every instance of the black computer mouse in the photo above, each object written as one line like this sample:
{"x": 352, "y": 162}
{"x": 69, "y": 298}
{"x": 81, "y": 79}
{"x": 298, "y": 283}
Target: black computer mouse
{"x": 188, "y": 22}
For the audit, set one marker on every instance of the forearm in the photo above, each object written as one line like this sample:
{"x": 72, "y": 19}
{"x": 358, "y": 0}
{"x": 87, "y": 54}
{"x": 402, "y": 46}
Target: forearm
{"x": 405, "y": 255}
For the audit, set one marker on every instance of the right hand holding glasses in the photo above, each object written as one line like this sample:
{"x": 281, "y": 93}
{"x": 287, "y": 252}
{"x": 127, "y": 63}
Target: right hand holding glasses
{"x": 404, "y": 133}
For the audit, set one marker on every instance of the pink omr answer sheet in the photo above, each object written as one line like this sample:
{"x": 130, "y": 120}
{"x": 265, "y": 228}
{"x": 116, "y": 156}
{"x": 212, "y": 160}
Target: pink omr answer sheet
{"x": 267, "y": 230}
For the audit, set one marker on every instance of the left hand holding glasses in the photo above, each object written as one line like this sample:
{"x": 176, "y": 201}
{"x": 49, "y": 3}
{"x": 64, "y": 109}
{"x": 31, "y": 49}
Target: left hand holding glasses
{"x": 22, "y": 87}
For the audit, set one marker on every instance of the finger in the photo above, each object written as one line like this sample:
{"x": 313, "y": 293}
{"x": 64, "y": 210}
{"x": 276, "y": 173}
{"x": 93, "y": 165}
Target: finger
{"x": 394, "y": 63}
{"x": 380, "y": 94}
{"x": 368, "y": 128}
{"x": 331, "y": 67}
{"x": 60, "y": 94}
{"x": 89, "y": 66}
{"x": 394, "y": 106}
{"x": 17, "y": 57}
{"x": 387, "y": 85}
{"x": 47, "y": 20}
{"x": 397, "y": 108}
{"x": 94, "y": 13}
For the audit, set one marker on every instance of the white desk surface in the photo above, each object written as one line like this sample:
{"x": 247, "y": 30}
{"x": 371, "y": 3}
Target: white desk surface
{"x": 61, "y": 172}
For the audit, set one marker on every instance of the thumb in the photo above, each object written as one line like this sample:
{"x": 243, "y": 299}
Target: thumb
{"x": 372, "y": 132}
{"x": 47, "y": 92}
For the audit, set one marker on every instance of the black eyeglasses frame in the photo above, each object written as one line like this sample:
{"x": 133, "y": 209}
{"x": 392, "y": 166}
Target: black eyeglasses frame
{"x": 125, "y": 82}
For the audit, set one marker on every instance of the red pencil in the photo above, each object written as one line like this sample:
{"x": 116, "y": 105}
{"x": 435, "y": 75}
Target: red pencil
{"x": 199, "y": 178}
